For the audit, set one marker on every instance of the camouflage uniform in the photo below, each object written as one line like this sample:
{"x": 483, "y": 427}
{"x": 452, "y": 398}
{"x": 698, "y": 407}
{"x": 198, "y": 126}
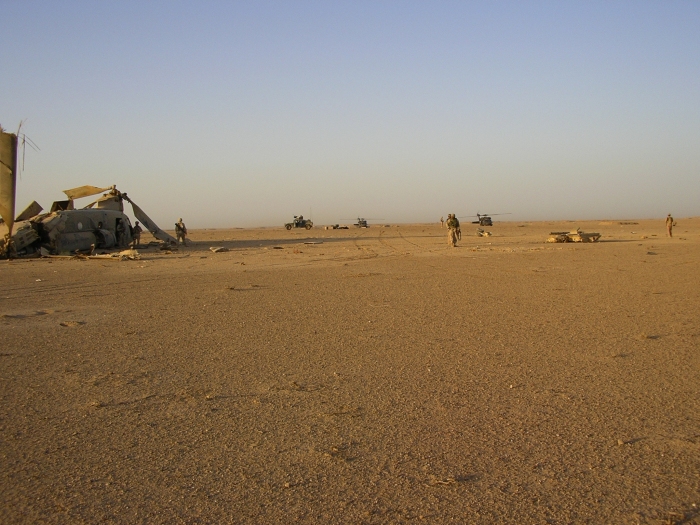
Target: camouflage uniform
{"x": 669, "y": 225}
{"x": 180, "y": 231}
{"x": 452, "y": 225}
{"x": 120, "y": 231}
{"x": 136, "y": 235}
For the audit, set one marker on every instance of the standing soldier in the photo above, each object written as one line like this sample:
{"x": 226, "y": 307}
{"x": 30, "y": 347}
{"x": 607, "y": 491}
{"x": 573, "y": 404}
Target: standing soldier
{"x": 442, "y": 222}
{"x": 452, "y": 225}
{"x": 136, "y": 235}
{"x": 458, "y": 229}
{"x": 669, "y": 225}
{"x": 120, "y": 230}
{"x": 181, "y": 231}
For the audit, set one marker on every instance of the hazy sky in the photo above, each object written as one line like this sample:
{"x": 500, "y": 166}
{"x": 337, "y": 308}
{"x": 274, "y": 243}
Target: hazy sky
{"x": 246, "y": 113}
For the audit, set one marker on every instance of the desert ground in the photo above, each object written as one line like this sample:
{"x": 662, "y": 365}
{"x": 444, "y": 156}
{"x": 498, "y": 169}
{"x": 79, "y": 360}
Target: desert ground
{"x": 358, "y": 376}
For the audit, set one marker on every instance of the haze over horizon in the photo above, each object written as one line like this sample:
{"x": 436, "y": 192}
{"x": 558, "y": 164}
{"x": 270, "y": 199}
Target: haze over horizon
{"x": 247, "y": 113}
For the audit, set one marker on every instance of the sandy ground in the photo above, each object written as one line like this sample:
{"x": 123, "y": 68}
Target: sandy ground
{"x": 376, "y": 376}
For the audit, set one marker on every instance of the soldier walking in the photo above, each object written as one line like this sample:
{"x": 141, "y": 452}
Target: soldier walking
{"x": 452, "y": 226}
{"x": 669, "y": 225}
{"x": 181, "y": 231}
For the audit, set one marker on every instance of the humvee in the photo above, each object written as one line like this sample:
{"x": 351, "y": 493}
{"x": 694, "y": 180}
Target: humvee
{"x": 299, "y": 222}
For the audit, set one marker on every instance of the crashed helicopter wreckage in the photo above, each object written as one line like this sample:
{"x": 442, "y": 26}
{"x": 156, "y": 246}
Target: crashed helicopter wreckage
{"x": 102, "y": 224}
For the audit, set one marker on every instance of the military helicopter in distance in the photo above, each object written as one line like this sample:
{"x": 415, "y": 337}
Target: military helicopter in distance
{"x": 484, "y": 219}
{"x": 362, "y": 222}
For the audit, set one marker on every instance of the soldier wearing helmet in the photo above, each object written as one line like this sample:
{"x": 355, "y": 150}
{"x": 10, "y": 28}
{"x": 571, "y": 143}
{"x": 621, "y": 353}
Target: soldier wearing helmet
{"x": 181, "y": 231}
{"x": 669, "y": 225}
{"x": 452, "y": 228}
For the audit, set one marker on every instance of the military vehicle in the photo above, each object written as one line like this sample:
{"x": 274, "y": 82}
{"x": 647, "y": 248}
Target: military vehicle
{"x": 299, "y": 222}
{"x": 573, "y": 236}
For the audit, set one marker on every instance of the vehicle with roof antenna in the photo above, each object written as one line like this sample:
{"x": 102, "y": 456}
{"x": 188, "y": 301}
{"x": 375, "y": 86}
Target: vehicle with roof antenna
{"x": 299, "y": 222}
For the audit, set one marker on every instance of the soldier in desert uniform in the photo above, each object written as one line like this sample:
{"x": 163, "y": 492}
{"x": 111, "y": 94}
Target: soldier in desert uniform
{"x": 452, "y": 226}
{"x": 136, "y": 235}
{"x": 120, "y": 230}
{"x": 442, "y": 222}
{"x": 181, "y": 231}
{"x": 669, "y": 225}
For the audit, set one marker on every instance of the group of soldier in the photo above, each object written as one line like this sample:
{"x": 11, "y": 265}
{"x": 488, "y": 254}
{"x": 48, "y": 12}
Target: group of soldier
{"x": 136, "y": 230}
{"x": 454, "y": 232}
{"x": 180, "y": 233}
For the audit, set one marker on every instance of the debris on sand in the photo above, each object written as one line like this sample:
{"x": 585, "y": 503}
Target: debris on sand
{"x": 124, "y": 255}
{"x": 132, "y": 255}
{"x": 434, "y": 481}
{"x": 218, "y": 249}
{"x": 573, "y": 236}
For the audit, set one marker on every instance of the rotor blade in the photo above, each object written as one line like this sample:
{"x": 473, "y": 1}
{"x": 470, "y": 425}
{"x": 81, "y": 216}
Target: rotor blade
{"x": 84, "y": 191}
{"x": 8, "y": 177}
{"x": 30, "y": 211}
{"x": 149, "y": 224}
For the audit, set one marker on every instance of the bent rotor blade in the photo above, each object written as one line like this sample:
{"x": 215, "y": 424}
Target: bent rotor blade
{"x": 30, "y": 211}
{"x": 149, "y": 224}
{"x": 84, "y": 191}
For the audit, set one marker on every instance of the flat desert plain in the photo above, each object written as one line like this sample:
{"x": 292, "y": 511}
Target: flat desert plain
{"x": 370, "y": 376}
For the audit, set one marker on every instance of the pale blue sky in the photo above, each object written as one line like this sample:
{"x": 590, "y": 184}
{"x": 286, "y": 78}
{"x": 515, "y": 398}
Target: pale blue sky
{"x": 246, "y": 113}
